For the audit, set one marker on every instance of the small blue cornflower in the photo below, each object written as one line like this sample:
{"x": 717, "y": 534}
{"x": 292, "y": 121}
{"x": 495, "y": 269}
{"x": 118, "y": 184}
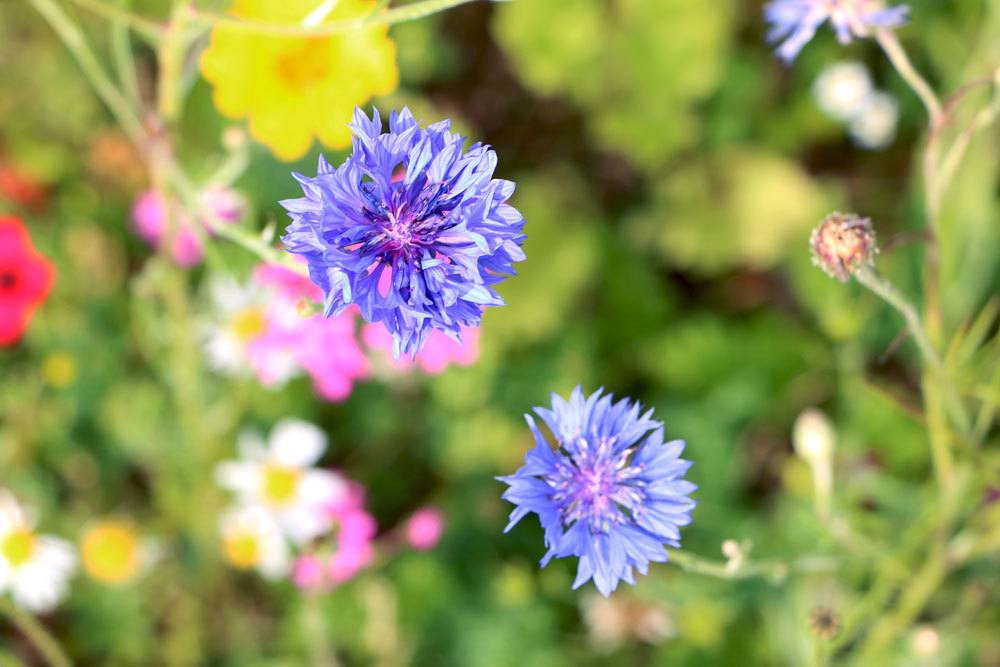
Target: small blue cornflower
{"x": 411, "y": 228}
{"x": 610, "y": 491}
{"x": 794, "y": 22}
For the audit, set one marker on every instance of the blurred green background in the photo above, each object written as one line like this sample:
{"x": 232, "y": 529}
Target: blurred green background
{"x": 670, "y": 169}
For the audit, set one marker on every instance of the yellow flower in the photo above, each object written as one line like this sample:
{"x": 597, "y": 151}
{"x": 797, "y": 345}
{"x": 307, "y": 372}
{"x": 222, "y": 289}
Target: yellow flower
{"x": 59, "y": 369}
{"x": 111, "y": 551}
{"x": 293, "y": 89}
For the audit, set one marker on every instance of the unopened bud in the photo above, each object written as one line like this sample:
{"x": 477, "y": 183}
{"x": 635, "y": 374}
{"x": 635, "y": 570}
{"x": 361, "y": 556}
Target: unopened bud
{"x": 843, "y": 244}
{"x": 925, "y": 641}
{"x": 234, "y": 138}
{"x": 813, "y": 436}
{"x": 736, "y": 555}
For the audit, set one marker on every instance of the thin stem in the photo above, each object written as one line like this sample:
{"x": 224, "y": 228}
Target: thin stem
{"x": 936, "y": 387}
{"x": 411, "y": 12}
{"x": 953, "y": 158}
{"x": 121, "y": 50}
{"x": 171, "y": 55}
{"x": 320, "y": 649}
{"x": 77, "y": 44}
{"x": 149, "y": 29}
{"x": 914, "y": 598}
{"x": 772, "y": 570}
{"x": 897, "y": 56}
{"x": 887, "y": 291}
{"x": 47, "y": 645}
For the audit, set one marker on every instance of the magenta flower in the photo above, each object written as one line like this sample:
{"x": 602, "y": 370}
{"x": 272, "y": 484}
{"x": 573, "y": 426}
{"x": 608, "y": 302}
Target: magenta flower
{"x": 348, "y": 549}
{"x": 325, "y": 348}
{"x": 424, "y": 528}
{"x": 439, "y": 352}
{"x": 151, "y": 210}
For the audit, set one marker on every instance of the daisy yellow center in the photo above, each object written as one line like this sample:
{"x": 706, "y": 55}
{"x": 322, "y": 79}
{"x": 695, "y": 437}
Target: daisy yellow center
{"x": 242, "y": 550}
{"x": 247, "y": 324}
{"x": 305, "y": 63}
{"x": 111, "y": 552}
{"x": 280, "y": 483}
{"x": 18, "y": 546}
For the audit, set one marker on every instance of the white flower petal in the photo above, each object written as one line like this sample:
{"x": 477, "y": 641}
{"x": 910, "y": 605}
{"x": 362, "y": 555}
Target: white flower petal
{"x": 296, "y": 444}
{"x": 241, "y": 477}
{"x": 302, "y": 523}
{"x": 251, "y": 446}
{"x": 321, "y": 486}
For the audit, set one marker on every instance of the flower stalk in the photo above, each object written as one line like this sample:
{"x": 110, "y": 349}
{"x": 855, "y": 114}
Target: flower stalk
{"x": 43, "y": 641}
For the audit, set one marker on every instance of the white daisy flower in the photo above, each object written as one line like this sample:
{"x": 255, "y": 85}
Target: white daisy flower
{"x": 253, "y": 540}
{"x": 239, "y": 316}
{"x": 874, "y": 126}
{"x": 842, "y": 88}
{"x": 35, "y": 568}
{"x": 279, "y": 477}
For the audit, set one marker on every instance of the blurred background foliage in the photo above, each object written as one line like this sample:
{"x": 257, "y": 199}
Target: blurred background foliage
{"x": 670, "y": 169}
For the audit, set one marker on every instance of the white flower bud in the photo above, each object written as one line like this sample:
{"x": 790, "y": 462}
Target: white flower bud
{"x": 813, "y": 436}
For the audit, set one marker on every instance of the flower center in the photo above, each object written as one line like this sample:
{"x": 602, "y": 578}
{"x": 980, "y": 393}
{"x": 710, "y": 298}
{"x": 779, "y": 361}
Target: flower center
{"x": 111, "y": 552}
{"x": 242, "y": 550}
{"x": 8, "y": 280}
{"x": 306, "y": 63}
{"x": 247, "y": 324}
{"x": 18, "y": 546}
{"x": 280, "y": 483}
{"x": 597, "y": 485}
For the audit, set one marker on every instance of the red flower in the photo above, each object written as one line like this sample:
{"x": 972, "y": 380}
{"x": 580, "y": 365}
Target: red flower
{"x": 25, "y": 279}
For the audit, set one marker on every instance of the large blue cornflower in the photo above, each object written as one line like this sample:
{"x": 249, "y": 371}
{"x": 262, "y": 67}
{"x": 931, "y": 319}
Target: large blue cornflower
{"x": 411, "y": 228}
{"x": 610, "y": 492}
{"x": 794, "y": 22}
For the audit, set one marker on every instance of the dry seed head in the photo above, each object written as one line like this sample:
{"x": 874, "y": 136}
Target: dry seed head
{"x": 843, "y": 244}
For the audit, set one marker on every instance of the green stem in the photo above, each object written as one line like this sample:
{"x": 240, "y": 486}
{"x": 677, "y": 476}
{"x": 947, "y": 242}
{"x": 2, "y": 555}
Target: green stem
{"x": 887, "y": 291}
{"x": 937, "y": 388}
{"x": 47, "y": 645}
{"x": 914, "y": 598}
{"x": 150, "y": 30}
{"x": 171, "y": 55}
{"x": 897, "y": 56}
{"x": 121, "y": 50}
{"x": 772, "y": 570}
{"x": 77, "y": 44}
{"x": 410, "y": 12}
{"x": 316, "y": 638}
{"x": 953, "y": 158}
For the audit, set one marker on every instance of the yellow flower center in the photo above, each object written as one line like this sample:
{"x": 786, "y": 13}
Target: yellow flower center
{"x": 280, "y": 483}
{"x": 305, "y": 63}
{"x": 247, "y": 324}
{"x": 242, "y": 550}
{"x": 111, "y": 552}
{"x": 18, "y": 547}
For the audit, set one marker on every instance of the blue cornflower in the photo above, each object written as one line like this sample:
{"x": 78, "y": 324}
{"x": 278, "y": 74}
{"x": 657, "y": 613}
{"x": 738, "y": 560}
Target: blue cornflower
{"x": 611, "y": 492}
{"x": 794, "y": 22}
{"x": 412, "y": 229}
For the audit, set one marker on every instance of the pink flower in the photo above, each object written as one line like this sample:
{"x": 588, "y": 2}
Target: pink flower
{"x": 307, "y": 573}
{"x": 151, "y": 211}
{"x": 424, "y": 528}
{"x": 149, "y": 218}
{"x": 439, "y": 351}
{"x": 324, "y": 347}
{"x": 351, "y": 548}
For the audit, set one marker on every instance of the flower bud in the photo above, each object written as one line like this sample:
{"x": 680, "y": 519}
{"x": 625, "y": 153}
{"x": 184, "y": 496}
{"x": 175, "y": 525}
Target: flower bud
{"x": 813, "y": 436}
{"x": 843, "y": 244}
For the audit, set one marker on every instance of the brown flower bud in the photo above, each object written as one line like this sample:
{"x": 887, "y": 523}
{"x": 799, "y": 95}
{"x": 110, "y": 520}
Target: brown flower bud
{"x": 824, "y": 623}
{"x": 843, "y": 244}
